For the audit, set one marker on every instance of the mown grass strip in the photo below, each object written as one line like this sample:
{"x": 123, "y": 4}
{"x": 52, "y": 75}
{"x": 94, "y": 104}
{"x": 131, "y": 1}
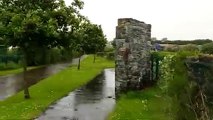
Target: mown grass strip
{"x": 51, "y": 89}
{"x": 148, "y": 104}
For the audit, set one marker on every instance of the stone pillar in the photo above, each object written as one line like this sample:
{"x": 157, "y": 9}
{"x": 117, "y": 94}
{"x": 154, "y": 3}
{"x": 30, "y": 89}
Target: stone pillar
{"x": 132, "y": 55}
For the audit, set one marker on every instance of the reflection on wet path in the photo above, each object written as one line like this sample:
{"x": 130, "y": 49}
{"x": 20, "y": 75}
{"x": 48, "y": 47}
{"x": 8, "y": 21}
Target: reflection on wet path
{"x": 93, "y": 101}
{"x": 11, "y": 84}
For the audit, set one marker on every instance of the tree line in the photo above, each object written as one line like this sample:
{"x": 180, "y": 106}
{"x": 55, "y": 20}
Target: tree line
{"x": 183, "y": 42}
{"x": 37, "y": 26}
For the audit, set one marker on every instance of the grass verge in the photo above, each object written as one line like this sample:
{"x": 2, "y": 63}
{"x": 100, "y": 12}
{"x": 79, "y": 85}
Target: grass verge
{"x": 51, "y": 89}
{"x": 148, "y": 104}
{"x": 15, "y": 71}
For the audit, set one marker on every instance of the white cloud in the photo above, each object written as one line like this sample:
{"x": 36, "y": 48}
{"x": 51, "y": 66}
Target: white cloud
{"x": 175, "y": 19}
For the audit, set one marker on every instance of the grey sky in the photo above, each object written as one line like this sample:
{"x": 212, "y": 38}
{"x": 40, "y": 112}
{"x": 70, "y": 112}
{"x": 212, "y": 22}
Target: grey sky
{"x": 174, "y": 19}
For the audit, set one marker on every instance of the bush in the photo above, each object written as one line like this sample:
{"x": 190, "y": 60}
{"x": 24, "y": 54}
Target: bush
{"x": 38, "y": 56}
{"x": 12, "y": 65}
{"x": 174, "y": 81}
{"x": 111, "y": 55}
{"x": 101, "y": 54}
{"x": 189, "y": 47}
{"x": 109, "y": 49}
{"x": 55, "y": 55}
{"x": 172, "y": 48}
{"x": 77, "y": 54}
{"x": 66, "y": 54}
{"x": 44, "y": 56}
{"x": 185, "y": 42}
{"x": 207, "y": 48}
{"x": 9, "y": 65}
{"x": 2, "y": 66}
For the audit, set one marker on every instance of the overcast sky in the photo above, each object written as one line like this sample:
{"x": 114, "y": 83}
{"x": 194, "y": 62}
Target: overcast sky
{"x": 174, "y": 19}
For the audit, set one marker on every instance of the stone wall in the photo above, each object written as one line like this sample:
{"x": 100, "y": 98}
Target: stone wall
{"x": 200, "y": 76}
{"x": 132, "y": 54}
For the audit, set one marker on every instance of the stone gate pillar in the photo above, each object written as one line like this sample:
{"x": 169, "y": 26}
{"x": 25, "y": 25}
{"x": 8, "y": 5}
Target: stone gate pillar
{"x": 132, "y": 55}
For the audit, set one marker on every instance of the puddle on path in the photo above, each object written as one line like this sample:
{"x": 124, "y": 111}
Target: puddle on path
{"x": 93, "y": 101}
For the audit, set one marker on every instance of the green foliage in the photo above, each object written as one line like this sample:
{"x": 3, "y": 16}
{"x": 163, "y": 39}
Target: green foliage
{"x": 44, "y": 95}
{"x": 76, "y": 54}
{"x": 49, "y": 56}
{"x": 190, "y": 47}
{"x": 113, "y": 43}
{"x": 166, "y": 71}
{"x": 13, "y": 57}
{"x": 2, "y": 41}
{"x": 185, "y": 42}
{"x": 201, "y": 81}
{"x": 172, "y": 99}
{"x": 109, "y": 49}
{"x": 66, "y": 54}
{"x": 111, "y": 55}
{"x": 35, "y": 26}
{"x": 9, "y": 65}
{"x": 55, "y": 55}
{"x": 10, "y": 59}
{"x": 93, "y": 39}
{"x": 172, "y": 48}
{"x": 156, "y": 58}
{"x": 207, "y": 48}
{"x": 2, "y": 66}
{"x": 101, "y": 54}
{"x": 174, "y": 80}
{"x": 161, "y": 55}
{"x": 3, "y": 49}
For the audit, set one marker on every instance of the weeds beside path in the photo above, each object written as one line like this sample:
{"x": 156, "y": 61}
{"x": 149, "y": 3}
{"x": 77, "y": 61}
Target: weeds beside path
{"x": 51, "y": 89}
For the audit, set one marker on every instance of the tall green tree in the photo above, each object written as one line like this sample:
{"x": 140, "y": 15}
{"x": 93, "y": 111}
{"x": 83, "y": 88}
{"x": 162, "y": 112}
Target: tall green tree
{"x": 78, "y": 38}
{"x": 32, "y": 24}
{"x": 94, "y": 39}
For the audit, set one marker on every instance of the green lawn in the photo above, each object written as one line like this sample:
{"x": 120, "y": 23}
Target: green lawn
{"x": 51, "y": 89}
{"x": 148, "y": 104}
{"x": 15, "y": 71}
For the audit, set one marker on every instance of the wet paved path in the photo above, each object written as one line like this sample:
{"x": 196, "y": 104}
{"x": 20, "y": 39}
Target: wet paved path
{"x": 93, "y": 101}
{"x": 11, "y": 84}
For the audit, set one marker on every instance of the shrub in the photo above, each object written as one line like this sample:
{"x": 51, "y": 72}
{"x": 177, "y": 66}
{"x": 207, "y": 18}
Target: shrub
{"x": 55, "y": 55}
{"x": 111, "y": 55}
{"x": 66, "y": 54}
{"x": 172, "y": 48}
{"x": 9, "y": 65}
{"x": 101, "y": 54}
{"x": 76, "y": 54}
{"x": 174, "y": 81}
{"x": 189, "y": 47}
{"x": 12, "y": 65}
{"x": 109, "y": 49}
{"x": 207, "y": 48}
{"x": 167, "y": 71}
{"x": 2, "y": 66}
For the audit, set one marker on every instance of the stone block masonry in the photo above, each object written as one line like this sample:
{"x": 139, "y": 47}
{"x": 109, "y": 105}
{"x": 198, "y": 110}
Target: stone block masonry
{"x": 132, "y": 56}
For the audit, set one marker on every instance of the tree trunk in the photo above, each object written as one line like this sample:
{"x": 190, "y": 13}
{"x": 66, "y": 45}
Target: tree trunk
{"x": 79, "y": 63}
{"x": 26, "y": 91}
